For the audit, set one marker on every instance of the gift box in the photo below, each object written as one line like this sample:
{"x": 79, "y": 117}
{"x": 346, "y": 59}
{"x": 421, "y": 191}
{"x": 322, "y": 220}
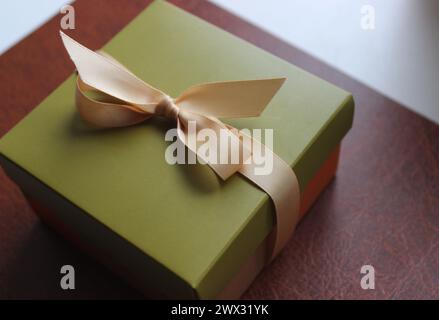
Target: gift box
{"x": 174, "y": 231}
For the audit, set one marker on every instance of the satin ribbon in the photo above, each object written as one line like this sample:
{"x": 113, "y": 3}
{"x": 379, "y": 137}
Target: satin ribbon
{"x": 128, "y": 100}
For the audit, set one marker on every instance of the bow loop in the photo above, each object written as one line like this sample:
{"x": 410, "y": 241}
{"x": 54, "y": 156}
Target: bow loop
{"x": 105, "y": 111}
{"x": 104, "y": 74}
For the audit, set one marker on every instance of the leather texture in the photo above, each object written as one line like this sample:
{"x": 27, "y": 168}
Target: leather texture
{"x": 382, "y": 209}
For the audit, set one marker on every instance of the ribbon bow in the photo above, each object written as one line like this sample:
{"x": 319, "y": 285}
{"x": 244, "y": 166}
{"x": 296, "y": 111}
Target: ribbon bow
{"x": 134, "y": 101}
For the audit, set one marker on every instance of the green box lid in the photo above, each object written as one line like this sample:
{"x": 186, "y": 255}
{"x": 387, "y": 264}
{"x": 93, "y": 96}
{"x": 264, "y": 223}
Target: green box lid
{"x": 182, "y": 216}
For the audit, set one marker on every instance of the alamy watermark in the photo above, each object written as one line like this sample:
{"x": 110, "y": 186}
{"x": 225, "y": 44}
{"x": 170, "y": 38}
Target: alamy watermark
{"x": 224, "y": 147}
{"x": 367, "y": 21}
{"x": 368, "y": 280}
{"x": 67, "y": 281}
{"x": 68, "y": 18}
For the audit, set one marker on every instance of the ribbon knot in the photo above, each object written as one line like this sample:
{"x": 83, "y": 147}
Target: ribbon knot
{"x": 167, "y": 108}
{"x": 128, "y": 100}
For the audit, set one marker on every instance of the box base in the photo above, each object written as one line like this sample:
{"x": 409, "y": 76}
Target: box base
{"x": 253, "y": 266}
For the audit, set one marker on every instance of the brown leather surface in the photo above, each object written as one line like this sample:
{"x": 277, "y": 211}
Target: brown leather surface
{"x": 382, "y": 209}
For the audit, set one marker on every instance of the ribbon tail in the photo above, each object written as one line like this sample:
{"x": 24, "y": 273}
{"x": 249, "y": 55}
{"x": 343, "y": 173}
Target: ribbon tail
{"x": 280, "y": 184}
{"x": 283, "y": 188}
{"x": 230, "y": 99}
{"x": 224, "y": 158}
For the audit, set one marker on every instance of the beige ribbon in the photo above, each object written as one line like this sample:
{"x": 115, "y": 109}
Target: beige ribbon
{"x": 127, "y": 100}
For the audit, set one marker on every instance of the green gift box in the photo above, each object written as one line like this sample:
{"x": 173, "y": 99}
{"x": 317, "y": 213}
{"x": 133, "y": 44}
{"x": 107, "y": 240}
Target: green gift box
{"x": 173, "y": 231}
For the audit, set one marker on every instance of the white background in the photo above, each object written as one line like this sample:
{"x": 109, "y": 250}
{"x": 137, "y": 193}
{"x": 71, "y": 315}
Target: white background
{"x": 400, "y": 58}
{"x": 18, "y": 18}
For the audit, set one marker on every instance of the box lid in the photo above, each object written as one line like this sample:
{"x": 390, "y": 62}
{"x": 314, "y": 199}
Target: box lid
{"x": 182, "y": 216}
